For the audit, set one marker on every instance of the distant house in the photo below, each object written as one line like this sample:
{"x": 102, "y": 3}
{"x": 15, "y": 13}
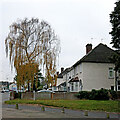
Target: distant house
{"x": 4, "y": 85}
{"x": 61, "y": 83}
{"x": 93, "y": 71}
{"x": 13, "y": 87}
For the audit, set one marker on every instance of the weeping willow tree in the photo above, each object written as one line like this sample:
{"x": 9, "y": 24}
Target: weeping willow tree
{"x": 25, "y": 75}
{"x": 30, "y": 44}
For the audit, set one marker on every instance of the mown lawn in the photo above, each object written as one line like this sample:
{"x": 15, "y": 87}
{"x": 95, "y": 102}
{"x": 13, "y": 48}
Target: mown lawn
{"x": 97, "y": 105}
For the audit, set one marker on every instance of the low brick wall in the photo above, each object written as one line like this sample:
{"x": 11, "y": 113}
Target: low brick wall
{"x": 49, "y": 96}
{"x": 27, "y": 95}
{"x": 43, "y": 96}
{"x": 65, "y": 96}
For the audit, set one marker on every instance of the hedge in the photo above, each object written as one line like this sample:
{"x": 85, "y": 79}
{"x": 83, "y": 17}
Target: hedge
{"x": 102, "y": 94}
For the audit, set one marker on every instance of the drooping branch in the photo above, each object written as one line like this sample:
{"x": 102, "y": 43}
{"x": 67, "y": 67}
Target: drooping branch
{"x": 32, "y": 42}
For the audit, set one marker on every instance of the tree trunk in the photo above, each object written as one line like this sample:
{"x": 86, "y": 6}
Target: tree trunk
{"x": 28, "y": 87}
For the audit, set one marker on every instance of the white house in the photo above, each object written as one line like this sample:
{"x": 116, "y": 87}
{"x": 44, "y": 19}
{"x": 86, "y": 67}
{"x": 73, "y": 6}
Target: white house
{"x": 93, "y": 71}
{"x": 13, "y": 87}
{"x": 61, "y": 83}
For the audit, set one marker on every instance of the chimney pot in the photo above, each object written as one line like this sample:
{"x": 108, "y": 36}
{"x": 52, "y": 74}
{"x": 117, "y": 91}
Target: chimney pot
{"x": 57, "y": 73}
{"x": 88, "y": 48}
{"x": 62, "y": 69}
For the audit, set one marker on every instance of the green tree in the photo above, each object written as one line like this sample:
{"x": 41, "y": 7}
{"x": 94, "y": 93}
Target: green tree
{"x": 115, "y": 21}
{"x": 115, "y": 33}
{"x": 38, "y": 79}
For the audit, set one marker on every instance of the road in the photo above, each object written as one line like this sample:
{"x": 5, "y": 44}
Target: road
{"x": 5, "y": 96}
{"x": 34, "y": 111}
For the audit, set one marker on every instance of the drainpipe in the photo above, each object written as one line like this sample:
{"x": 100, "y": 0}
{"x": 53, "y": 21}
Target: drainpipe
{"x": 66, "y": 83}
{"x": 115, "y": 80}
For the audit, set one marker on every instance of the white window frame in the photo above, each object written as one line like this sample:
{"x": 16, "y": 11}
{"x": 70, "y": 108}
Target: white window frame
{"x": 112, "y": 72}
{"x": 72, "y": 86}
{"x": 80, "y": 66}
{"x": 76, "y": 86}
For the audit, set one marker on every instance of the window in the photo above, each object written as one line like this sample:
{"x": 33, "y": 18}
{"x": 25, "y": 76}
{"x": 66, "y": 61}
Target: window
{"x": 112, "y": 87}
{"x": 55, "y": 88}
{"x": 80, "y": 85}
{"x": 72, "y": 86}
{"x": 67, "y": 76}
{"x": 80, "y": 68}
{"x": 76, "y": 71}
{"x": 76, "y": 86}
{"x": 111, "y": 73}
{"x": 64, "y": 88}
{"x": 73, "y": 73}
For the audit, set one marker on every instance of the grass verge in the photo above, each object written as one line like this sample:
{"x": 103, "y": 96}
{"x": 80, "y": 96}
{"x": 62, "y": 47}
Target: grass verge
{"x": 97, "y": 105}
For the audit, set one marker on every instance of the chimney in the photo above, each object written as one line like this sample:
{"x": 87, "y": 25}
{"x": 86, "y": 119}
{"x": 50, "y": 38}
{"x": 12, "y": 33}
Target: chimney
{"x": 88, "y": 48}
{"x": 62, "y": 69}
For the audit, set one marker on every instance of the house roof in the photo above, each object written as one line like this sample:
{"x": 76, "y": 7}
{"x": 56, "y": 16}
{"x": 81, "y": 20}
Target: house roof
{"x": 76, "y": 79}
{"x": 60, "y": 75}
{"x": 62, "y": 84}
{"x": 100, "y": 54}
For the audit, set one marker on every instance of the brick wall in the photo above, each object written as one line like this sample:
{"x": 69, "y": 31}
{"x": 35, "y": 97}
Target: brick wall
{"x": 43, "y": 96}
{"x": 27, "y": 95}
{"x": 48, "y": 96}
{"x": 65, "y": 96}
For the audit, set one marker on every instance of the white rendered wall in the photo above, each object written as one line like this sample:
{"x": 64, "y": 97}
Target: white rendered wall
{"x": 95, "y": 76}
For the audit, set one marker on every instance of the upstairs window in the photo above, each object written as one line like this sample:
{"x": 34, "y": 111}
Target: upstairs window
{"x": 76, "y": 70}
{"x": 80, "y": 68}
{"x": 73, "y": 73}
{"x": 111, "y": 73}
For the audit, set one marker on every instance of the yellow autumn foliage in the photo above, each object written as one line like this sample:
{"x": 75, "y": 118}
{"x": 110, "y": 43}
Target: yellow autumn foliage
{"x": 31, "y": 43}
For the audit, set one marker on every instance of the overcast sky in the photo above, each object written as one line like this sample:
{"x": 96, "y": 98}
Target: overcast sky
{"x": 76, "y": 22}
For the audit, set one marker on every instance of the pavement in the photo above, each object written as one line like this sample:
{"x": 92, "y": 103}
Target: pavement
{"x": 35, "y": 111}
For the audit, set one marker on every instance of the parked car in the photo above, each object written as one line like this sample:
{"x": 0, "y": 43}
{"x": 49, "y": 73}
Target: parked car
{"x": 2, "y": 91}
{"x": 6, "y": 90}
{"x": 48, "y": 91}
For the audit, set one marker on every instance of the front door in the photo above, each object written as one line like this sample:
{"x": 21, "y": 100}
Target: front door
{"x": 118, "y": 85}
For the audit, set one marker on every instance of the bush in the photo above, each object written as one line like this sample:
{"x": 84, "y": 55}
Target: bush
{"x": 101, "y": 94}
{"x": 17, "y": 95}
{"x": 83, "y": 95}
{"x": 113, "y": 94}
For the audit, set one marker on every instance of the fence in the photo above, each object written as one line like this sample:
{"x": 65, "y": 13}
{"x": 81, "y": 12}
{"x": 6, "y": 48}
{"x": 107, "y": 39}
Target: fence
{"x": 49, "y": 96}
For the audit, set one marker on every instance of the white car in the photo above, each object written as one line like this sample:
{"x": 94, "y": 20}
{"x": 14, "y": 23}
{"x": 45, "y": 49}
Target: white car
{"x": 48, "y": 91}
{"x": 6, "y": 90}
